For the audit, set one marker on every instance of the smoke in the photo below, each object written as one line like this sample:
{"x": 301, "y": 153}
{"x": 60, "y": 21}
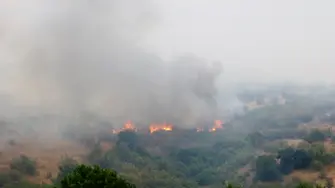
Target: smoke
{"x": 80, "y": 56}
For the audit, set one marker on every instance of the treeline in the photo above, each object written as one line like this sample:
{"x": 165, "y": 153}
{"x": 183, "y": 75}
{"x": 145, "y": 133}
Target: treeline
{"x": 178, "y": 167}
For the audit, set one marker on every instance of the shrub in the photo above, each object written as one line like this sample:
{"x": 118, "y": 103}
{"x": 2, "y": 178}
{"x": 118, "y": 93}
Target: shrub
{"x": 94, "y": 176}
{"x": 67, "y": 165}
{"x": 24, "y": 165}
{"x": 316, "y": 165}
{"x": 8, "y": 177}
{"x": 14, "y": 175}
{"x": 316, "y": 136}
{"x": 4, "y": 179}
{"x": 266, "y": 169}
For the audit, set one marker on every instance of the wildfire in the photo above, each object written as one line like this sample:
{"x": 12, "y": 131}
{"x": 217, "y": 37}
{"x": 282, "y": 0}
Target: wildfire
{"x": 217, "y": 125}
{"x": 160, "y": 127}
{"x": 128, "y": 126}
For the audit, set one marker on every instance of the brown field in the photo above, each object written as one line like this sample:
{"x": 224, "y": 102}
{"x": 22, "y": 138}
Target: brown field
{"x": 319, "y": 126}
{"x": 304, "y": 175}
{"x": 47, "y": 154}
{"x": 294, "y": 142}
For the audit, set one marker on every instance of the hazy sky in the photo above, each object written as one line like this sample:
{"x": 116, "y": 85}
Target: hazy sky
{"x": 84, "y": 54}
{"x": 256, "y": 40}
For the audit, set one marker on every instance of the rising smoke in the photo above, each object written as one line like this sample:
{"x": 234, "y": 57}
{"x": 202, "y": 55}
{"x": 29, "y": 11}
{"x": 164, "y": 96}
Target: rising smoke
{"x": 81, "y": 56}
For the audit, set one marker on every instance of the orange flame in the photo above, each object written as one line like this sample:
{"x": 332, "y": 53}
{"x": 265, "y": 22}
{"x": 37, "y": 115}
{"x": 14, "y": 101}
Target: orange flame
{"x": 160, "y": 127}
{"x": 128, "y": 126}
{"x": 217, "y": 125}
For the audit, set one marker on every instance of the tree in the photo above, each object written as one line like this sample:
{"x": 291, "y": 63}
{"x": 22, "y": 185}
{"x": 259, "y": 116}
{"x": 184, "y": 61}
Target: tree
{"x": 286, "y": 157}
{"x": 93, "y": 176}
{"x": 315, "y": 136}
{"x": 128, "y": 137}
{"x": 256, "y": 139}
{"x": 291, "y": 159}
{"x": 266, "y": 169}
{"x": 66, "y": 166}
{"x": 24, "y": 165}
{"x": 230, "y": 185}
{"x": 302, "y": 159}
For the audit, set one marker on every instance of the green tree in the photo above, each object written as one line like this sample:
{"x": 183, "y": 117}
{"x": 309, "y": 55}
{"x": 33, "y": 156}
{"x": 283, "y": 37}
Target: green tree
{"x": 66, "y": 166}
{"x": 256, "y": 139}
{"x": 266, "y": 169}
{"x": 128, "y": 137}
{"x": 316, "y": 136}
{"x": 291, "y": 159}
{"x": 93, "y": 176}
{"x": 230, "y": 185}
{"x": 24, "y": 165}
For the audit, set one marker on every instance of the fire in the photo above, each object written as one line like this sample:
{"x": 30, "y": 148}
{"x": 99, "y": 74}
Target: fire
{"x": 128, "y": 126}
{"x": 217, "y": 125}
{"x": 160, "y": 127}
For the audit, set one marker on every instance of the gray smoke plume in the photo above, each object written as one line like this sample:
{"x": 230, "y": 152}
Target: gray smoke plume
{"x": 83, "y": 56}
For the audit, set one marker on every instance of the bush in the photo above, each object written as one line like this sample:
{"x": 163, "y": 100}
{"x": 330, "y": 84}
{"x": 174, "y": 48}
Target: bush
{"x": 94, "y": 176}
{"x": 291, "y": 159}
{"x": 266, "y": 169}
{"x": 24, "y": 165}
{"x": 316, "y": 165}
{"x": 4, "y": 179}
{"x": 11, "y": 176}
{"x": 14, "y": 175}
{"x": 316, "y": 136}
{"x": 67, "y": 165}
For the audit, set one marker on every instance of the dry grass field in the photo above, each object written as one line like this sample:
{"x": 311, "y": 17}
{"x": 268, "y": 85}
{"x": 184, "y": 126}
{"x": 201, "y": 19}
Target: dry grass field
{"x": 47, "y": 154}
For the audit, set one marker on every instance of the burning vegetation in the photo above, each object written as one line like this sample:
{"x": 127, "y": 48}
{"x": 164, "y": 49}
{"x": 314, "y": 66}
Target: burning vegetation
{"x": 128, "y": 126}
{"x": 155, "y": 127}
{"x": 218, "y": 124}
{"x": 160, "y": 127}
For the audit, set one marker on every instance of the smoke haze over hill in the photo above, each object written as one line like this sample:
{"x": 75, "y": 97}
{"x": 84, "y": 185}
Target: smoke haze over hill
{"x": 83, "y": 56}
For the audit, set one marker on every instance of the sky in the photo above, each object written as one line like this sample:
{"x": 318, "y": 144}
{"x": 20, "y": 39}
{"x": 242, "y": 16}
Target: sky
{"x": 126, "y": 58}
{"x": 259, "y": 40}
{"x": 82, "y": 56}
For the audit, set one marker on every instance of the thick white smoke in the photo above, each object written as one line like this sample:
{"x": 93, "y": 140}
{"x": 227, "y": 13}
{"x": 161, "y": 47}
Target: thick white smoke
{"x": 82, "y": 56}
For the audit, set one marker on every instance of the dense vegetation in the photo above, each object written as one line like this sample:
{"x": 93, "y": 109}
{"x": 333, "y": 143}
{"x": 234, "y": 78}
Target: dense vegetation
{"x": 251, "y": 151}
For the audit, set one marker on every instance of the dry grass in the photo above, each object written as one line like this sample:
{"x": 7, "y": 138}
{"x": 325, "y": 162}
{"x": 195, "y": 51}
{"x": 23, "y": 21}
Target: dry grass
{"x": 47, "y": 155}
{"x": 294, "y": 142}
{"x": 313, "y": 126}
{"x": 304, "y": 175}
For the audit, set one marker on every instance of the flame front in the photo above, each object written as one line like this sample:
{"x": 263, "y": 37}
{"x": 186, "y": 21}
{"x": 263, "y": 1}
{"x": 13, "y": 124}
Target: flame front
{"x": 128, "y": 126}
{"x": 217, "y": 125}
{"x": 160, "y": 127}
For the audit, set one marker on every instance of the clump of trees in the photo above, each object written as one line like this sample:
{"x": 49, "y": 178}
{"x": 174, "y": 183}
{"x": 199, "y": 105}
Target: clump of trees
{"x": 267, "y": 169}
{"x": 291, "y": 159}
{"x": 66, "y": 166}
{"x": 271, "y": 168}
{"x": 10, "y": 176}
{"x": 318, "y": 136}
{"x": 24, "y": 165}
{"x": 94, "y": 176}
